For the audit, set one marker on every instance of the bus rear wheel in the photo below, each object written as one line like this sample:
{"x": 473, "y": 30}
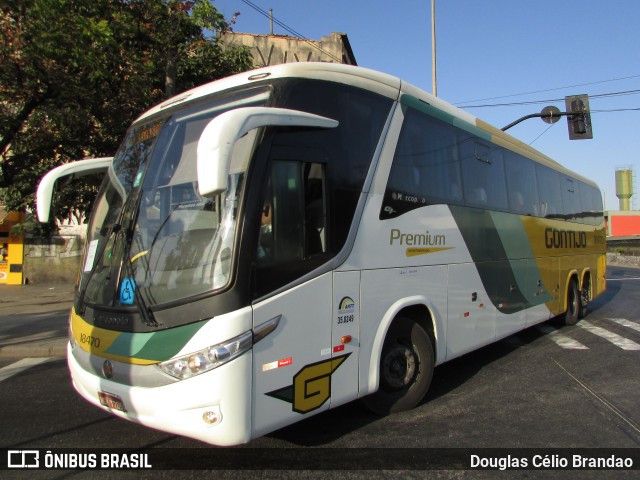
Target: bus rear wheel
{"x": 573, "y": 304}
{"x": 584, "y": 298}
{"x": 406, "y": 368}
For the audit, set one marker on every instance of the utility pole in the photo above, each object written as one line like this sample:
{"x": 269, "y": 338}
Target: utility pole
{"x": 433, "y": 49}
{"x": 271, "y": 20}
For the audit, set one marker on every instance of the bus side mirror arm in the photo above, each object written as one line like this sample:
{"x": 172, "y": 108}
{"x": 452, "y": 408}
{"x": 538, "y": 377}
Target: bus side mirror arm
{"x": 79, "y": 167}
{"x": 217, "y": 140}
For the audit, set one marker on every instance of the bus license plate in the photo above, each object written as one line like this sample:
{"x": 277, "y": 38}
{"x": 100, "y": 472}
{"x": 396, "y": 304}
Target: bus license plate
{"x": 111, "y": 401}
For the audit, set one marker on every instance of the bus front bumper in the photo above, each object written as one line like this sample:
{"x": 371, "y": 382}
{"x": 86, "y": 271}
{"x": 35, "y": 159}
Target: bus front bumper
{"x": 214, "y": 407}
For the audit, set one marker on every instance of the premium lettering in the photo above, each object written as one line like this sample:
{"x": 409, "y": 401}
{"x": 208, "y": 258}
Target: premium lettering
{"x": 416, "y": 239}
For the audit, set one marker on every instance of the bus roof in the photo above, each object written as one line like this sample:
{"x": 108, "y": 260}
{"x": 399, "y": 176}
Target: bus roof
{"x": 372, "y": 80}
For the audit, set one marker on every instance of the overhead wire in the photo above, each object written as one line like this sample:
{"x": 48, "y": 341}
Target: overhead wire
{"x": 545, "y": 131}
{"x": 552, "y": 100}
{"x": 550, "y": 89}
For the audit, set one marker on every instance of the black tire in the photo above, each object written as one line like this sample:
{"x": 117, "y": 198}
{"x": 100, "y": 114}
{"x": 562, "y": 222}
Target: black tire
{"x": 406, "y": 368}
{"x": 583, "y": 308}
{"x": 573, "y": 304}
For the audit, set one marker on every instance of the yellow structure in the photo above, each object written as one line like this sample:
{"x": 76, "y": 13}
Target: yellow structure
{"x": 11, "y": 249}
{"x": 624, "y": 188}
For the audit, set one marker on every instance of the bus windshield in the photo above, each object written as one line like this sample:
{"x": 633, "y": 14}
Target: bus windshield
{"x": 152, "y": 238}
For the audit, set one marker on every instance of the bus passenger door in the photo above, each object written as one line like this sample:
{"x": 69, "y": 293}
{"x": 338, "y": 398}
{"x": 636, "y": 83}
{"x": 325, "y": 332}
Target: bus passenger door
{"x": 345, "y": 337}
{"x": 293, "y": 364}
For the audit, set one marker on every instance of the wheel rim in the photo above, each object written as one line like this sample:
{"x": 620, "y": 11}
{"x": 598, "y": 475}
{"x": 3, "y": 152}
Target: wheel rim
{"x": 399, "y": 367}
{"x": 573, "y": 302}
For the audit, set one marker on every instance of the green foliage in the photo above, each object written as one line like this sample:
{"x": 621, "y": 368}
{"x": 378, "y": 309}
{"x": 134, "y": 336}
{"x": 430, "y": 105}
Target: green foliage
{"x": 76, "y": 73}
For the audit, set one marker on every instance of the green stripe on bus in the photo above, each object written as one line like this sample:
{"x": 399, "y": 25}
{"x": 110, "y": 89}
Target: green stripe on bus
{"x": 422, "y": 106}
{"x": 521, "y": 257}
{"x": 487, "y": 250}
{"x": 156, "y": 346}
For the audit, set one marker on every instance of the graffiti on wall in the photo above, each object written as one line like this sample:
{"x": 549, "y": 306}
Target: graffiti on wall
{"x": 59, "y": 247}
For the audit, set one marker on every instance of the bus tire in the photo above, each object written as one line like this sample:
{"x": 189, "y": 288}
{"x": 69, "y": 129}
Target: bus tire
{"x": 583, "y": 308}
{"x": 573, "y": 304}
{"x": 406, "y": 368}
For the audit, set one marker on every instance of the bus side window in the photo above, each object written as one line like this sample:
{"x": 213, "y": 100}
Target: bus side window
{"x": 521, "y": 184}
{"x": 293, "y": 223}
{"x": 588, "y": 214}
{"x": 483, "y": 175}
{"x": 426, "y": 166}
{"x": 549, "y": 192}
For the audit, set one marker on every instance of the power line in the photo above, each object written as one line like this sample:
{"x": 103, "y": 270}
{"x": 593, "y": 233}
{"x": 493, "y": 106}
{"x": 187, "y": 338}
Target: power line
{"x": 549, "y": 89}
{"x": 545, "y": 131}
{"x": 290, "y": 30}
{"x": 553, "y": 100}
{"x": 616, "y": 110}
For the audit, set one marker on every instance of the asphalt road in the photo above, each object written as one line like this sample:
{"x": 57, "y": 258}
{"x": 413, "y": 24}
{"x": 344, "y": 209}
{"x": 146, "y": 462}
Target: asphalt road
{"x": 545, "y": 388}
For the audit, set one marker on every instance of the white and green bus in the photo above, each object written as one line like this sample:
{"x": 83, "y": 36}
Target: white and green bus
{"x": 283, "y": 241}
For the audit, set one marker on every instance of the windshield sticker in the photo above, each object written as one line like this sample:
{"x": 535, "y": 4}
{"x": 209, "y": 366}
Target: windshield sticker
{"x": 91, "y": 255}
{"x": 127, "y": 291}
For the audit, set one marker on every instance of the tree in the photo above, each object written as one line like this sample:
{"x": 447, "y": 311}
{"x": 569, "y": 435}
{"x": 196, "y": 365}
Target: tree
{"x": 76, "y": 73}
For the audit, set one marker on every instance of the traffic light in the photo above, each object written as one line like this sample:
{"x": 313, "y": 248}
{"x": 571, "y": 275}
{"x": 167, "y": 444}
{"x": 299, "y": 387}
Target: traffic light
{"x": 579, "y": 122}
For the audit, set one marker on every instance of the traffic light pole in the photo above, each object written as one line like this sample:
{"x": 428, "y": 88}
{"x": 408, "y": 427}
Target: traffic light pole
{"x": 551, "y": 116}
{"x": 578, "y": 117}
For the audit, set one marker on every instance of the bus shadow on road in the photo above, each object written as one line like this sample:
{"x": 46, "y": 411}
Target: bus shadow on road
{"x": 328, "y": 427}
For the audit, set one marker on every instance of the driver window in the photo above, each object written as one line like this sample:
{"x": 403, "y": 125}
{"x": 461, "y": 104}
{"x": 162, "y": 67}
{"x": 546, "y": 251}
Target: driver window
{"x": 293, "y": 218}
{"x": 293, "y": 224}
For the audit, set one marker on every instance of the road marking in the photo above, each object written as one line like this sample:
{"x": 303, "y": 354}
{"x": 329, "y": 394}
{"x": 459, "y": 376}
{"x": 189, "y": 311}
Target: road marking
{"x": 626, "y": 323}
{"x": 560, "y": 339}
{"x": 614, "y": 338}
{"x": 20, "y": 366}
{"x": 621, "y": 279}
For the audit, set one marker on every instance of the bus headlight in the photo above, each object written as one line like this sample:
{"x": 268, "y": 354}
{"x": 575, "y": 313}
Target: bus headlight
{"x": 207, "y": 359}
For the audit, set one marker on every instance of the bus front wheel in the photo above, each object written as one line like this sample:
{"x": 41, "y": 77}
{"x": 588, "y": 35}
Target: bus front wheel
{"x": 406, "y": 368}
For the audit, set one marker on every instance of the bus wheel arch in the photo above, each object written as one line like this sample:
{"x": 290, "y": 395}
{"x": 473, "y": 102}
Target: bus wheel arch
{"x": 406, "y": 362}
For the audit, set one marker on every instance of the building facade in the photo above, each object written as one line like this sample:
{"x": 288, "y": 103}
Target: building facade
{"x": 275, "y": 49}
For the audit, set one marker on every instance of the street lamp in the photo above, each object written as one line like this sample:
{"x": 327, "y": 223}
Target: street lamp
{"x": 433, "y": 48}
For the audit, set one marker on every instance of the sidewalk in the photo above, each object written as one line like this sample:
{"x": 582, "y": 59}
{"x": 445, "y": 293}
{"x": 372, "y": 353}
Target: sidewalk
{"x": 33, "y": 320}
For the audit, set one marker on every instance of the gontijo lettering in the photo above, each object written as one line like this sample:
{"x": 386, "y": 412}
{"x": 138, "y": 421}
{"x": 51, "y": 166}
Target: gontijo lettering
{"x": 554, "y": 238}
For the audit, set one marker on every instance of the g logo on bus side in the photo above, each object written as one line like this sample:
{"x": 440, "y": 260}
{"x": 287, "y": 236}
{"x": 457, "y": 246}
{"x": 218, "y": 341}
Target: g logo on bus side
{"x": 311, "y": 385}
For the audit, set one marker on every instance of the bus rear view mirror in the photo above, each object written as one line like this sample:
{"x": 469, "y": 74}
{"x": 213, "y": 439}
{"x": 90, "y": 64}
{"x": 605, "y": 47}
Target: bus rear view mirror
{"x": 77, "y": 168}
{"x": 215, "y": 147}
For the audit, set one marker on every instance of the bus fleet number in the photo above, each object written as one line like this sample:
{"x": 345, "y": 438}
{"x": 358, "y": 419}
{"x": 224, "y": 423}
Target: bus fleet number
{"x": 345, "y": 319}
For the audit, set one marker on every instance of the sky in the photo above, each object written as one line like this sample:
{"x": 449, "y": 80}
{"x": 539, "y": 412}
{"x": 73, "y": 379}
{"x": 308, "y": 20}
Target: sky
{"x": 492, "y": 52}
